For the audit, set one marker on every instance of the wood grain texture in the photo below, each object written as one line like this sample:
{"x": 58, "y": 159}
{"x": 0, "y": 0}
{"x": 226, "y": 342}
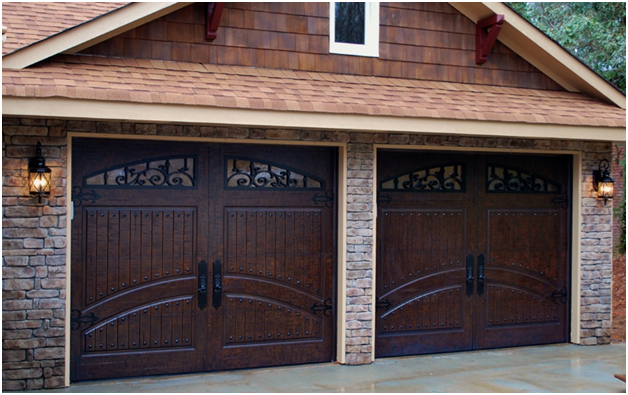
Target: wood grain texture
{"x": 514, "y": 241}
{"x": 136, "y": 277}
{"x": 428, "y": 41}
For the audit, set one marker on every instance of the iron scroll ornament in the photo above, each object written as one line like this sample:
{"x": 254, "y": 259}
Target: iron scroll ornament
{"x": 78, "y": 196}
{"x": 78, "y": 319}
{"x": 439, "y": 178}
{"x": 325, "y": 307}
{"x": 561, "y": 201}
{"x": 202, "y": 284}
{"x": 217, "y": 284}
{"x": 161, "y": 172}
{"x": 327, "y": 199}
{"x": 560, "y": 295}
{"x": 246, "y": 173}
{"x": 502, "y": 179}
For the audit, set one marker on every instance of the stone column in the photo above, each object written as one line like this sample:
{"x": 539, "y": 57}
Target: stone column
{"x": 33, "y": 258}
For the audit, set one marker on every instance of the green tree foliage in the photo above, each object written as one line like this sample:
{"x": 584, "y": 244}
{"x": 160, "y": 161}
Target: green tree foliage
{"x": 593, "y": 32}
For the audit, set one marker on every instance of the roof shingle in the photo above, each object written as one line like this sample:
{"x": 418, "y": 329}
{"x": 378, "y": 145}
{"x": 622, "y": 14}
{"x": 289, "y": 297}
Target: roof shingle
{"x": 28, "y": 23}
{"x": 144, "y": 81}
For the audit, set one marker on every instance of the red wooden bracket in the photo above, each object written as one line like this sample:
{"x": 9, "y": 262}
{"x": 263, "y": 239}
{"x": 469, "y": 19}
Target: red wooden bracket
{"x": 214, "y": 12}
{"x": 485, "y": 38}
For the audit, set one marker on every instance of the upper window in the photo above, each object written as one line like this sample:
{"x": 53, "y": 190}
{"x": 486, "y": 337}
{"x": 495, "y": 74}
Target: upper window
{"x": 354, "y": 28}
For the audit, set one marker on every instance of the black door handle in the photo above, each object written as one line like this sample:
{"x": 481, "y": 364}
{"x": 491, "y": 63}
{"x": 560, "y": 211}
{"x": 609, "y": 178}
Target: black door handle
{"x": 217, "y": 294}
{"x": 202, "y": 284}
{"x": 481, "y": 274}
{"x": 469, "y": 273}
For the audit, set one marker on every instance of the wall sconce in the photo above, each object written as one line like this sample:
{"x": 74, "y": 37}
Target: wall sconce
{"x": 602, "y": 182}
{"x": 39, "y": 176}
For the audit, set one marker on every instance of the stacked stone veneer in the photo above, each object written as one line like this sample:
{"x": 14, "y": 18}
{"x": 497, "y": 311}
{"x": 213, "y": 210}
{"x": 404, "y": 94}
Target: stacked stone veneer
{"x": 33, "y": 258}
{"x": 596, "y": 254}
{"x": 34, "y": 236}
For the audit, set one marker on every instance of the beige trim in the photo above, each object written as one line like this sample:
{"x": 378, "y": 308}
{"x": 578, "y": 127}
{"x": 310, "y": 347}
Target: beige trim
{"x": 576, "y": 248}
{"x": 576, "y": 218}
{"x": 543, "y": 53}
{"x": 341, "y": 270}
{"x": 93, "y": 32}
{"x": 181, "y": 114}
{"x": 185, "y": 139}
{"x": 374, "y": 246}
{"x": 341, "y": 243}
{"x": 68, "y": 260}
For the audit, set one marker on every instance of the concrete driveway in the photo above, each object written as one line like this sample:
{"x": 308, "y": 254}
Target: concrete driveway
{"x": 554, "y": 368}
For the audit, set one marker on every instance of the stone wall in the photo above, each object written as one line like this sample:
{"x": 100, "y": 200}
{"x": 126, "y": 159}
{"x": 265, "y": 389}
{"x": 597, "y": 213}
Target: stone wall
{"x": 34, "y": 239}
{"x": 596, "y": 253}
{"x": 33, "y": 258}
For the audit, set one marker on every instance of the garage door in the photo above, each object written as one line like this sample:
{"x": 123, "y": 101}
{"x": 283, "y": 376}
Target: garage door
{"x": 190, "y": 257}
{"x": 472, "y": 251}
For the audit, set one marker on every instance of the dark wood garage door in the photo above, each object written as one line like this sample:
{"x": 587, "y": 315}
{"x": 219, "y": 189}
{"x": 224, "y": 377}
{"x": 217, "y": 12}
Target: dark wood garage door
{"x": 189, "y": 257}
{"x": 473, "y": 251}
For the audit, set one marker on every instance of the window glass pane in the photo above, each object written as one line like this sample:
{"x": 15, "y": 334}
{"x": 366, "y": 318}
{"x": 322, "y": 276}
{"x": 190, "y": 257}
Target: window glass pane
{"x": 350, "y": 24}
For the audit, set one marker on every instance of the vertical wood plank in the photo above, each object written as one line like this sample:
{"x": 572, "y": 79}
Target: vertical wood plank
{"x": 168, "y": 243}
{"x": 102, "y": 249}
{"x": 91, "y": 257}
{"x": 124, "y": 263}
{"x": 147, "y": 243}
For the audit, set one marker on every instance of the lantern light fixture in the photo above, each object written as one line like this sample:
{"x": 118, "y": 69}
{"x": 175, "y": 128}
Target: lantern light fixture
{"x": 39, "y": 176}
{"x": 602, "y": 182}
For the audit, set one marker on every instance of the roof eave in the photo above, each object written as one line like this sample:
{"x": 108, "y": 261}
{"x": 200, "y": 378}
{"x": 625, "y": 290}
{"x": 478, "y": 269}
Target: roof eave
{"x": 120, "y": 111}
{"x": 87, "y": 34}
{"x": 543, "y": 53}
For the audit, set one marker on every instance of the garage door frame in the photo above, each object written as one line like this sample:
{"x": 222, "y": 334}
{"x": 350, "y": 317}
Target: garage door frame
{"x": 576, "y": 218}
{"x": 341, "y": 221}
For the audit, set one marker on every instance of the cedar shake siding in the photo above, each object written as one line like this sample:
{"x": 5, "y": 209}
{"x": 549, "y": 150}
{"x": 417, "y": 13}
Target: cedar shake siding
{"x": 427, "y": 41}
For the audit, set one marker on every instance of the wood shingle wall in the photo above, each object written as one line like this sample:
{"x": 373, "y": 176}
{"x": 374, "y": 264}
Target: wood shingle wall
{"x": 429, "y": 41}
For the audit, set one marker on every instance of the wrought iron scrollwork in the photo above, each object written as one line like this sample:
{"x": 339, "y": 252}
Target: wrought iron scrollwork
{"x": 560, "y": 294}
{"x": 177, "y": 172}
{"x": 384, "y": 199}
{"x": 561, "y": 201}
{"x": 202, "y": 284}
{"x": 444, "y": 178}
{"x": 78, "y": 196}
{"x": 78, "y": 319}
{"x": 327, "y": 199}
{"x": 252, "y": 173}
{"x": 503, "y": 179}
{"x": 325, "y": 307}
{"x": 217, "y": 284}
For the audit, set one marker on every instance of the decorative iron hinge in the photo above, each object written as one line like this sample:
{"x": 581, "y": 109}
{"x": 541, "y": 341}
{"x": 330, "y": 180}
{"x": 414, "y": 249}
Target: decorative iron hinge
{"x": 384, "y": 304}
{"x": 78, "y": 196}
{"x": 561, "y": 201}
{"x": 327, "y": 199}
{"x": 384, "y": 199}
{"x": 325, "y": 307}
{"x": 561, "y": 294}
{"x": 217, "y": 291}
{"x": 78, "y": 319}
{"x": 202, "y": 284}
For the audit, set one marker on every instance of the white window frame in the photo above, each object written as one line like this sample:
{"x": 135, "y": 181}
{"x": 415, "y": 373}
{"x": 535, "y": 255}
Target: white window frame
{"x": 371, "y": 33}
